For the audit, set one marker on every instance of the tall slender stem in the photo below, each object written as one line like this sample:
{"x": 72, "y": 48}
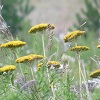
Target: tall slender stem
{"x": 79, "y": 64}
{"x": 16, "y": 54}
{"x": 32, "y": 72}
{"x": 43, "y": 44}
{"x": 86, "y": 85}
{"x": 84, "y": 78}
{"x": 51, "y": 85}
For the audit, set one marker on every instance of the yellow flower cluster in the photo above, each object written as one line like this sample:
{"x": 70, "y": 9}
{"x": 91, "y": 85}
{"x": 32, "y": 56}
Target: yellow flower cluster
{"x": 95, "y": 74}
{"x": 13, "y": 44}
{"x": 73, "y": 35}
{"x": 54, "y": 64}
{"x": 98, "y": 46}
{"x": 39, "y": 66}
{"x": 79, "y": 48}
{"x": 29, "y": 58}
{"x": 7, "y": 68}
{"x": 41, "y": 27}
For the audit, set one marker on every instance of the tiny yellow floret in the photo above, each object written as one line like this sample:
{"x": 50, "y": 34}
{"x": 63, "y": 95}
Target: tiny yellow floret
{"x": 73, "y": 35}
{"x": 13, "y": 44}
{"x": 7, "y": 68}
{"x": 79, "y": 48}
{"x": 41, "y": 27}
{"x": 95, "y": 74}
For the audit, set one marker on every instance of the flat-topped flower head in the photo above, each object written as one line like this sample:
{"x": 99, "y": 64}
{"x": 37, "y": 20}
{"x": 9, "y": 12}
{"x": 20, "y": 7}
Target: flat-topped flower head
{"x": 95, "y": 74}
{"x": 73, "y": 35}
{"x": 41, "y": 27}
{"x": 79, "y": 48}
{"x": 54, "y": 64}
{"x": 13, "y": 44}
{"x": 7, "y": 68}
{"x": 98, "y": 46}
{"x": 29, "y": 58}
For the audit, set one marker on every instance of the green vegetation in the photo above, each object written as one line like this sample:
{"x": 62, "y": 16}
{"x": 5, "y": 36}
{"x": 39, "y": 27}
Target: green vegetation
{"x": 43, "y": 69}
{"x": 91, "y": 16}
{"x": 15, "y": 20}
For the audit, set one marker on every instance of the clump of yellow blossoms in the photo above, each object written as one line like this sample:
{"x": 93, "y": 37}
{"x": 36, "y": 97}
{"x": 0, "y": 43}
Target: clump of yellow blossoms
{"x": 29, "y": 58}
{"x": 54, "y": 64}
{"x": 95, "y": 74}
{"x": 98, "y": 46}
{"x": 7, "y": 68}
{"x": 73, "y": 35}
{"x": 39, "y": 66}
{"x": 13, "y": 44}
{"x": 79, "y": 48}
{"x": 41, "y": 27}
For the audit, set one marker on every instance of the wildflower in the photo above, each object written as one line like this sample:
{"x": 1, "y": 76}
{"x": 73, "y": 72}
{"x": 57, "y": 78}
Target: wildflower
{"x": 29, "y": 58}
{"x": 54, "y": 64}
{"x": 13, "y": 44}
{"x": 7, "y": 68}
{"x": 95, "y": 74}
{"x": 41, "y": 27}
{"x": 73, "y": 35}
{"x": 98, "y": 46}
{"x": 80, "y": 48}
{"x": 39, "y": 66}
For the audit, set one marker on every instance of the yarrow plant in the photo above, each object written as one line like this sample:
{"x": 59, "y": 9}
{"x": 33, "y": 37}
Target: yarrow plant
{"x": 13, "y": 44}
{"x": 29, "y": 58}
{"x": 7, "y": 68}
{"x": 79, "y": 48}
{"x": 41, "y": 27}
{"x": 73, "y": 37}
{"x": 38, "y": 75}
{"x": 54, "y": 64}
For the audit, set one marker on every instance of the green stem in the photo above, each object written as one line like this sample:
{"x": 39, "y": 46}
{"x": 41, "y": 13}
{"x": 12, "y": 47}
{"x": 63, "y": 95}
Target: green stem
{"x": 51, "y": 85}
{"x": 80, "y": 80}
{"x": 34, "y": 78}
{"x": 43, "y": 44}
{"x": 86, "y": 85}
{"x": 16, "y": 53}
{"x": 32, "y": 72}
